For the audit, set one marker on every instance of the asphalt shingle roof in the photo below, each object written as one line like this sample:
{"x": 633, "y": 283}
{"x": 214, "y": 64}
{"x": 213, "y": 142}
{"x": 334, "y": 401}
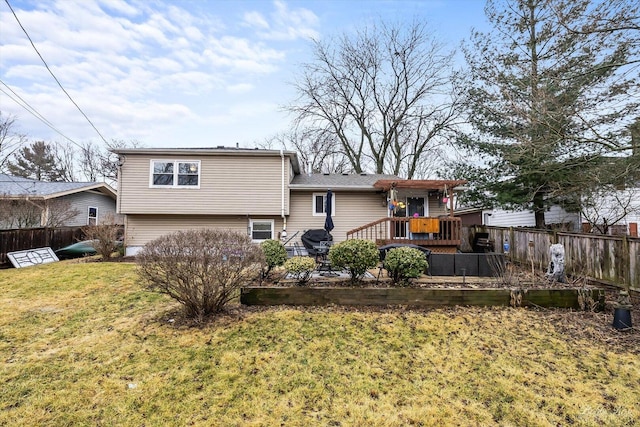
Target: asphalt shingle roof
{"x": 326, "y": 181}
{"x": 19, "y": 187}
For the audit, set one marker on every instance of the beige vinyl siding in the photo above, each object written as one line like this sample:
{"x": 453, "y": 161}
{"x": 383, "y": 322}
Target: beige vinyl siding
{"x": 353, "y": 209}
{"x": 436, "y": 207}
{"x": 141, "y": 229}
{"x": 240, "y": 185}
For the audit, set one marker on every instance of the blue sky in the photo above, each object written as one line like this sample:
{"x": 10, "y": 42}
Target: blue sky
{"x": 181, "y": 73}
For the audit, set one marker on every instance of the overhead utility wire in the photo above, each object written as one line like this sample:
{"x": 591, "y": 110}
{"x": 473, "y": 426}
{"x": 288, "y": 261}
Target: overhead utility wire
{"x": 35, "y": 113}
{"x": 53, "y": 75}
{"x": 24, "y": 104}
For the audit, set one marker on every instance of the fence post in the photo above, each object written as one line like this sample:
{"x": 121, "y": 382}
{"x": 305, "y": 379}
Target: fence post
{"x": 512, "y": 243}
{"x": 626, "y": 261}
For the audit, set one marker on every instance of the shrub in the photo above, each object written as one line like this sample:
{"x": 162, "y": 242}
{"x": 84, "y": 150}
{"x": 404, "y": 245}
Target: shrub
{"x": 201, "y": 269}
{"x": 275, "y": 254}
{"x": 104, "y": 237}
{"x": 300, "y": 267}
{"x": 404, "y": 264}
{"x": 356, "y": 256}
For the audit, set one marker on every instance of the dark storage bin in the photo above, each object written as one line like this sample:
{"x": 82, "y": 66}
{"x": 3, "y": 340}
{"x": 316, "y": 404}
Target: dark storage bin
{"x": 442, "y": 264}
{"x": 468, "y": 263}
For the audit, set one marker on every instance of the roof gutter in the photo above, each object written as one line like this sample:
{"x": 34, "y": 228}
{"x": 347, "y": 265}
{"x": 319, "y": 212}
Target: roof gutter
{"x": 334, "y": 187}
{"x": 282, "y": 210}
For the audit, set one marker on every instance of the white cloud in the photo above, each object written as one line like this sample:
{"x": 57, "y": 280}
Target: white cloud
{"x": 256, "y": 20}
{"x": 240, "y": 88}
{"x": 283, "y": 23}
{"x": 120, "y": 6}
{"x": 138, "y": 69}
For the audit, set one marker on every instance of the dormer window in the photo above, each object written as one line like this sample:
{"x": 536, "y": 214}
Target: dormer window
{"x": 175, "y": 174}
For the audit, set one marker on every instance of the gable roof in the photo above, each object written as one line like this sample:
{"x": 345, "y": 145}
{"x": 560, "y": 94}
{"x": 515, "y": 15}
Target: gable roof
{"x": 15, "y": 187}
{"x": 325, "y": 181}
{"x": 212, "y": 151}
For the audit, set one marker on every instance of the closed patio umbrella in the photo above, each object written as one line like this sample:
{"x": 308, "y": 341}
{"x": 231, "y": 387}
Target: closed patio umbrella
{"x": 328, "y": 222}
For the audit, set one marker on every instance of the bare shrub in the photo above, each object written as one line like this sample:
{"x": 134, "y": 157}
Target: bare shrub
{"x": 104, "y": 237}
{"x": 201, "y": 269}
{"x": 504, "y": 271}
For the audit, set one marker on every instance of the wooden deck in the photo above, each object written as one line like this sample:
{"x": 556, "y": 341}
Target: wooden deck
{"x": 444, "y": 237}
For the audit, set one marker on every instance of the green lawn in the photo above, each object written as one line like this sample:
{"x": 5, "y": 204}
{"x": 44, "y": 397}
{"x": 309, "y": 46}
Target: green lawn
{"x": 83, "y": 344}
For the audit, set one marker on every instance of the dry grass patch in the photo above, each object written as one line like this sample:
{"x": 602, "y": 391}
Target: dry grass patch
{"x": 82, "y": 344}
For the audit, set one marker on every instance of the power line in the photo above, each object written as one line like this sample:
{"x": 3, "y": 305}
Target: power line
{"x": 53, "y": 75}
{"x": 35, "y": 113}
{"x": 28, "y": 107}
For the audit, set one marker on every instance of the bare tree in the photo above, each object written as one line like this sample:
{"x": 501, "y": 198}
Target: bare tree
{"x": 26, "y": 213}
{"x": 10, "y": 139}
{"x": 90, "y": 161}
{"x": 319, "y": 150}
{"x": 19, "y": 214}
{"x": 109, "y": 161}
{"x": 58, "y": 212}
{"x": 65, "y": 162}
{"x": 607, "y": 205}
{"x": 384, "y": 94}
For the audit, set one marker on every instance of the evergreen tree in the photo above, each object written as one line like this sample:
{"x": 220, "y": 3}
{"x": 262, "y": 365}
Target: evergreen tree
{"x": 37, "y": 161}
{"x": 546, "y": 103}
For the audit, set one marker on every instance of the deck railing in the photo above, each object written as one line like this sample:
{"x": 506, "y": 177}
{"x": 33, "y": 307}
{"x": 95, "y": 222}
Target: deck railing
{"x": 396, "y": 230}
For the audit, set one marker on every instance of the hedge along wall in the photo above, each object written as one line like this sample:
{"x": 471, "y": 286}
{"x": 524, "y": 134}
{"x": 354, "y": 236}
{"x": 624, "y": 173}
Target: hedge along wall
{"x": 613, "y": 260}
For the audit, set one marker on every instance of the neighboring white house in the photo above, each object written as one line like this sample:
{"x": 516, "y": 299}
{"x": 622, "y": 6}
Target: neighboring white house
{"x": 616, "y": 211}
{"x": 26, "y": 203}
{"x": 555, "y": 216}
{"x": 620, "y": 212}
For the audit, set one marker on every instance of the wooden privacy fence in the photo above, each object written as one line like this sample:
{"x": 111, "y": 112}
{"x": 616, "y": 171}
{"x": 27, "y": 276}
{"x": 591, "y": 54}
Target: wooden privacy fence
{"x": 29, "y": 238}
{"x": 613, "y": 260}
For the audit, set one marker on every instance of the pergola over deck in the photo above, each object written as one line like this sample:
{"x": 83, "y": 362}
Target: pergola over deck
{"x": 393, "y": 229}
{"x": 446, "y": 186}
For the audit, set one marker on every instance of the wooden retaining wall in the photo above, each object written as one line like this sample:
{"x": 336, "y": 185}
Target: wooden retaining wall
{"x": 613, "y": 260}
{"x": 580, "y": 299}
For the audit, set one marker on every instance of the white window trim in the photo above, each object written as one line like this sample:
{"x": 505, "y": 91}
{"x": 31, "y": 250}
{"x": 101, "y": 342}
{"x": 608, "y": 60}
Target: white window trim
{"x": 251, "y": 221}
{"x": 89, "y": 212}
{"x": 175, "y": 173}
{"x": 313, "y": 204}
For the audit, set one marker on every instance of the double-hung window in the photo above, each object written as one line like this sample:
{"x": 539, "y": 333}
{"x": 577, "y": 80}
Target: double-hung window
{"x": 320, "y": 202}
{"x": 92, "y": 217}
{"x": 175, "y": 173}
{"x": 261, "y": 229}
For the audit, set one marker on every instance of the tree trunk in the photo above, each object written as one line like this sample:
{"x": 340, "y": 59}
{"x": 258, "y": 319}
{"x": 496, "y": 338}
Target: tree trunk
{"x": 538, "y": 209}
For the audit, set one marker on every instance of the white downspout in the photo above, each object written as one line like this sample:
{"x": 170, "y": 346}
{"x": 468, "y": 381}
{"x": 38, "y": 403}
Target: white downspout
{"x": 283, "y": 235}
